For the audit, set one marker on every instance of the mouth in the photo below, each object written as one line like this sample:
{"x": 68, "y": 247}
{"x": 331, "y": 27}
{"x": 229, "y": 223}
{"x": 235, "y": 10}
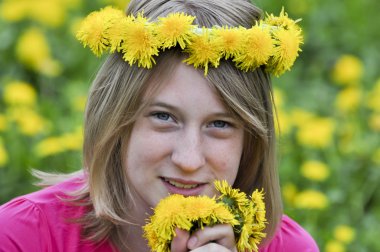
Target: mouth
{"x": 184, "y": 187}
{"x": 179, "y": 184}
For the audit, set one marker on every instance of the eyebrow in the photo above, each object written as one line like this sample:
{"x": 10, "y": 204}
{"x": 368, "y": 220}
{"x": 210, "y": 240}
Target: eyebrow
{"x": 176, "y": 109}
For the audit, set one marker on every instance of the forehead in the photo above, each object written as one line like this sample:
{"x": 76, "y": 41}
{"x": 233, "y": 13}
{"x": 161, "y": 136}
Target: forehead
{"x": 177, "y": 81}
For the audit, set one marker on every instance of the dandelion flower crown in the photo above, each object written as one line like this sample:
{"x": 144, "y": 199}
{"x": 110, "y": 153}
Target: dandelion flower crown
{"x": 273, "y": 42}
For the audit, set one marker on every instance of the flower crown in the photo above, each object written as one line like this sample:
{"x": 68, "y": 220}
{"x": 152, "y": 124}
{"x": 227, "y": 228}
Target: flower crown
{"x": 273, "y": 42}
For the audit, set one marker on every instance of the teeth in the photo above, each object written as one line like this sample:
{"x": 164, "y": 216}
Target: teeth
{"x": 180, "y": 185}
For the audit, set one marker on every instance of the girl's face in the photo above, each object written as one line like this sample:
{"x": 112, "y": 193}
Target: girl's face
{"x": 183, "y": 141}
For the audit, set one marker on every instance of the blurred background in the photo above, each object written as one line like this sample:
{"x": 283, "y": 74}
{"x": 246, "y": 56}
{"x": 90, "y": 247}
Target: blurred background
{"x": 328, "y": 109}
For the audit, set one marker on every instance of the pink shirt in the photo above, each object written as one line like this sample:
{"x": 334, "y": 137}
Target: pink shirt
{"x": 38, "y": 222}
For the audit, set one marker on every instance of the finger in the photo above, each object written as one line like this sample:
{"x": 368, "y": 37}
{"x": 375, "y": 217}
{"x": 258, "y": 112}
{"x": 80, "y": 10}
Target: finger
{"x": 212, "y": 247}
{"x": 222, "y": 234}
{"x": 179, "y": 243}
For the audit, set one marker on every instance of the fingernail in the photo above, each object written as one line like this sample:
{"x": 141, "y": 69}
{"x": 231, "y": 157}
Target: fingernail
{"x": 192, "y": 242}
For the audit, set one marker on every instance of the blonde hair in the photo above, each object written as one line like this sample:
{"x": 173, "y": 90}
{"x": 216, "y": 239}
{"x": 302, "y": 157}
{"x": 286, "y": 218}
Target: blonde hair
{"x": 115, "y": 101}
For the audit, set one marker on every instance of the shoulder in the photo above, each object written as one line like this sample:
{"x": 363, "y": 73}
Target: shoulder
{"x": 290, "y": 236}
{"x": 44, "y": 216}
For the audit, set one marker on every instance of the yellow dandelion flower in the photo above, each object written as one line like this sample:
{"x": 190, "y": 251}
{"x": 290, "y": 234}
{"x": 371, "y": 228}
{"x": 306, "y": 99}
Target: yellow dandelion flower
{"x": 311, "y": 199}
{"x": 49, "y": 147}
{"x": 344, "y": 233}
{"x": 334, "y": 246}
{"x": 140, "y": 44}
{"x": 231, "y": 40}
{"x": 28, "y": 120}
{"x": 19, "y": 93}
{"x": 174, "y": 29}
{"x": 289, "y": 191}
{"x": 282, "y": 20}
{"x": 317, "y": 132}
{"x": 349, "y": 99}
{"x": 315, "y": 170}
{"x": 11, "y": 10}
{"x": 286, "y": 50}
{"x": 203, "y": 50}
{"x": 118, "y": 30}
{"x": 348, "y": 70}
{"x": 54, "y": 17}
{"x": 230, "y": 196}
{"x": 258, "y": 200}
{"x": 38, "y": 59}
{"x": 194, "y": 212}
{"x": 93, "y": 29}
{"x": 3, "y": 154}
{"x": 256, "y": 50}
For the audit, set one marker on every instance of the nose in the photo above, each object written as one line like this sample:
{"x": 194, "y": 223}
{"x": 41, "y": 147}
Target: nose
{"x": 188, "y": 152}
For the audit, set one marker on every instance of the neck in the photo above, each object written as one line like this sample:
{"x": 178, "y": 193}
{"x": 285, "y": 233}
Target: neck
{"x": 134, "y": 232}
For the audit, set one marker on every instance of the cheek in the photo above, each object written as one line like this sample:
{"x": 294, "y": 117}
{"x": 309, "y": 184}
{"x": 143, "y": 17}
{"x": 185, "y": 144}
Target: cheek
{"x": 227, "y": 159}
{"x": 145, "y": 148}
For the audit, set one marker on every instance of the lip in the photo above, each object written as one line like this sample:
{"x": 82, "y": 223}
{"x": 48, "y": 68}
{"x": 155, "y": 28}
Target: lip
{"x": 184, "y": 191}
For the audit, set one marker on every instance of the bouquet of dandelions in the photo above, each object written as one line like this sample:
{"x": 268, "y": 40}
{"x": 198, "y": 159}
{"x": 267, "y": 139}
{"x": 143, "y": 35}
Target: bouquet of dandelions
{"x": 245, "y": 214}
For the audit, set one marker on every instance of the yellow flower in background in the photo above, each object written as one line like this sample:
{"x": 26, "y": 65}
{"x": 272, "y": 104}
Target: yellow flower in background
{"x": 289, "y": 191}
{"x": 49, "y": 146}
{"x": 19, "y": 93}
{"x": 283, "y": 123}
{"x": 48, "y": 12}
{"x": 311, "y": 199}
{"x": 13, "y": 10}
{"x": 29, "y": 122}
{"x": 348, "y": 99}
{"x": 278, "y": 97}
{"x": 122, "y": 4}
{"x": 374, "y": 121}
{"x": 299, "y": 117}
{"x": 315, "y": 170}
{"x": 79, "y": 103}
{"x": 373, "y": 100}
{"x": 316, "y": 132}
{"x": 33, "y": 50}
{"x": 71, "y": 141}
{"x": 334, "y": 246}
{"x": 344, "y": 233}
{"x": 3, "y": 154}
{"x": 3, "y": 123}
{"x": 348, "y": 70}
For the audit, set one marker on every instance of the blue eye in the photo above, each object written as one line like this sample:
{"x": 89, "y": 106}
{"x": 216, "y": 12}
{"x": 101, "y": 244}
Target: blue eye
{"x": 161, "y": 116}
{"x": 220, "y": 124}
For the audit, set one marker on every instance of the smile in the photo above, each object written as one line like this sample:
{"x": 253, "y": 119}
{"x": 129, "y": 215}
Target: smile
{"x": 180, "y": 185}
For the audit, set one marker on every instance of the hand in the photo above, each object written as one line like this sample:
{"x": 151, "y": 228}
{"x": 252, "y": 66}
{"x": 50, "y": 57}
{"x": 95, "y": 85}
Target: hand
{"x": 216, "y": 238}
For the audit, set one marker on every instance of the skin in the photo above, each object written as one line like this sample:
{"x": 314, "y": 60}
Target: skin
{"x": 183, "y": 141}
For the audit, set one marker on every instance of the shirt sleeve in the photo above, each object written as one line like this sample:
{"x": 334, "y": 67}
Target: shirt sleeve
{"x": 291, "y": 237}
{"x": 23, "y": 227}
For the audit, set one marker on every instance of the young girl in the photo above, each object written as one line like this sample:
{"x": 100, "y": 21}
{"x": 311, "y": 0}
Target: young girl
{"x": 163, "y": 125}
